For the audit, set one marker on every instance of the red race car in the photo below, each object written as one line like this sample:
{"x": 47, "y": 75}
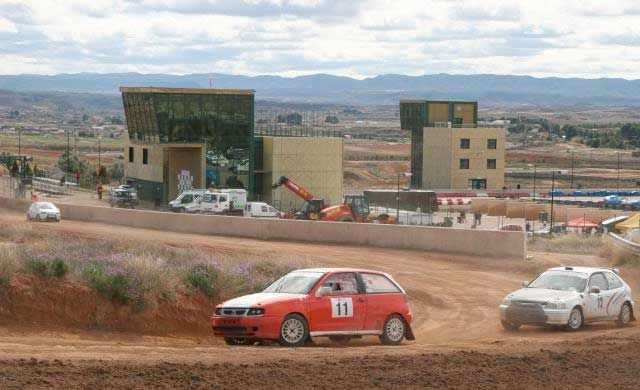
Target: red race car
{"x": 338, "y": 303}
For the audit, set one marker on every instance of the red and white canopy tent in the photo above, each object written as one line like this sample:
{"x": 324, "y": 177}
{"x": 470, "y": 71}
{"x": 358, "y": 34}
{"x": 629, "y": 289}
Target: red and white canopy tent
{"x": 582, "y": 222}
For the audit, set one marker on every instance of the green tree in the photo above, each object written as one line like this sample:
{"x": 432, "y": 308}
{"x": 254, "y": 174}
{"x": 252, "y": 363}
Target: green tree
{"x": 28, "y": 171}
{"x": 72, "y": 164}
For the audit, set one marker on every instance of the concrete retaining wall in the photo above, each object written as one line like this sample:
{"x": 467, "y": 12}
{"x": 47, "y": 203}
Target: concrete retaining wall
{"x": 458, "y": 241}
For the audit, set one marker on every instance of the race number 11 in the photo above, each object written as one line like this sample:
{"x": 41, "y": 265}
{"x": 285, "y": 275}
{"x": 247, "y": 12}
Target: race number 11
{"x": 341, "y": 307}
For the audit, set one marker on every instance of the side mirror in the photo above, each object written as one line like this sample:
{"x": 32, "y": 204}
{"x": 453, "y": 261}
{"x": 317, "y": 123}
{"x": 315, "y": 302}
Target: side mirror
{"x": 594, "y": 290}
{"x": 323, "y": 291}
{"x": 525, "y": 283}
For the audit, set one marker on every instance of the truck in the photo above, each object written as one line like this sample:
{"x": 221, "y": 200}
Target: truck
{"x": 354, "y": 208}
{"x": 223, "y": 201}
{"x": 185, "y": 198}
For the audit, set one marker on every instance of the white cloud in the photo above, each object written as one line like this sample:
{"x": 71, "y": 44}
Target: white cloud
{"x": 583, "y": 38}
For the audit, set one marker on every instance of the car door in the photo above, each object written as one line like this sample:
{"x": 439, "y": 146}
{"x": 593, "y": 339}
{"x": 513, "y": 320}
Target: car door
{"x": 596, "y": 302}
{"x": 383, "y": 298}
{"x": 343, "y": 309}
{"x": 615, "y": 295}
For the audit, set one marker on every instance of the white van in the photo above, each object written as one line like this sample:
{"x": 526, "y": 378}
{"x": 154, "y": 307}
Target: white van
{"x": 228, "y": 201}
{"x": 260, "y": 210}
{"x": 187, "y": 197}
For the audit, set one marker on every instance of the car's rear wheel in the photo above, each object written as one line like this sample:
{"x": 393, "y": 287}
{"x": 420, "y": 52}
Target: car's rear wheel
{"x": 576, "y": 320}
{"x": 38, "y": 218}
{"x": 345, "y": 219}
{"x": 340, "y": 340}
{"x": 394, "y": 330}
{"x": 510, "y": 326}
{"x": 294, "y": 331}
{"x": 239, "y": 341}
{"x": 625, "y": 315}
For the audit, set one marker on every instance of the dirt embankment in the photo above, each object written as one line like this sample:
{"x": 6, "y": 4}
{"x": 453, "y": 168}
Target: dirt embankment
{"x": 58, "y": 304}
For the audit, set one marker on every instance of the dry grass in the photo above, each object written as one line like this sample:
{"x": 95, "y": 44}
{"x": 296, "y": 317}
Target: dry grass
{"x": 130, "y": 273}
{"x": 567, "y": 243}
{"x": 618, "y": 255}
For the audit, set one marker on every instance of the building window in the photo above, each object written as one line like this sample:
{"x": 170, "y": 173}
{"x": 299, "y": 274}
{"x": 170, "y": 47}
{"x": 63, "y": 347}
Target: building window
{"x": 145, "y": 156}
{"x": 464, "y": 163}
{"x": 130, "y": 154}
{"x": 457, "y": 121}
{"x": 465, "y": 143}
{"x": 492, "y": 143}
{"x": 478, "y": 184}
{"x": 491, "y": 163}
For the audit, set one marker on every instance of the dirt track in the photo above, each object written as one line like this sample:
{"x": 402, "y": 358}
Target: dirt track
{"x": 454, "y": 301}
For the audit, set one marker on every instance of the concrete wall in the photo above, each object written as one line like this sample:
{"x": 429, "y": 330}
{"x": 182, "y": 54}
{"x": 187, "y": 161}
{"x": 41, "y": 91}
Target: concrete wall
{"x": 312, "y": 162}
{"x": 153, "y": 170}
{"x": 496, "y": 244}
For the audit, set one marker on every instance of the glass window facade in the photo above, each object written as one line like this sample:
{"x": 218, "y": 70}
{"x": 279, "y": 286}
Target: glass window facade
{"x": 221, "y": 119}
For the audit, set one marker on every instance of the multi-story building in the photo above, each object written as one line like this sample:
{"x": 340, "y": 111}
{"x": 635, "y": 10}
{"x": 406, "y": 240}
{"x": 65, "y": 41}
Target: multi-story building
{"x": 182, "y": 138}
{"x": 448, "y": 148}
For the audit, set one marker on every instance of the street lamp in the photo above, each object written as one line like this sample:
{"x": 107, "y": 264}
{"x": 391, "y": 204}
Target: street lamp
{"x": 572, "y": 155}
{"x": 99, "y": 160}
{"x": 553, "y": 182}
{"x": 406, "y": 174}
{"x": 618, "y": 178}
{"x": 534, "y": 181}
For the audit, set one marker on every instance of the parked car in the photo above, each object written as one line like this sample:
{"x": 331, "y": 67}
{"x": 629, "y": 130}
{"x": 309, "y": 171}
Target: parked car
{"x": 123, "y": 196}
{"x": 571, "y": 297}
{"x": 187, "y": 197}
{"x": 338, "y": 303}
{"x": 43, "y": 211}
{"x": 260, "y": 210}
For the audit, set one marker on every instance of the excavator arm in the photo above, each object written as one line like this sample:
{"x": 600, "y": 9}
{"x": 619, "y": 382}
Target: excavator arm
{"x": 293, "y": 187}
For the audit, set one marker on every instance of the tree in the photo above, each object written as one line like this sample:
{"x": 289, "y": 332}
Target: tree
{"x": 569, "y": 131}
{"x": 27, "y": 170}
{"x": 15, "y": 170}
{"x": 72, "y": 164}
{"x": 331, "y": 119}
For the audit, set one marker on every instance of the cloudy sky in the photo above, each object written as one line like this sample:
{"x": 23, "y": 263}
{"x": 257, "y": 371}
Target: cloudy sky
{"x": 357, "y": 38}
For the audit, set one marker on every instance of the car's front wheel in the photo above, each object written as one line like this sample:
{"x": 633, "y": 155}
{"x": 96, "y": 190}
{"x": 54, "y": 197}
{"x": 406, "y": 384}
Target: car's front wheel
{"x": 625, "y": 315}
{"x": 394, "y": 330}
{"x": 576, "y": 320}
{"x": 294, "y": 331}
{"x": 510, "y": 326}
{"x": 38, "y": 218}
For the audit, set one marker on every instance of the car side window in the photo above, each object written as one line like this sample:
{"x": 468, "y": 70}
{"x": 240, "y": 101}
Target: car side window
{"x": 272, "y": 210}
{"x": 598, "y": 280}
{"x": 222, "y": 199}
{"x": 343, "y": 283}
{"x": 264, "y": 209}
{"x": 614, "y": 281}
{"x": 378, "y": 284}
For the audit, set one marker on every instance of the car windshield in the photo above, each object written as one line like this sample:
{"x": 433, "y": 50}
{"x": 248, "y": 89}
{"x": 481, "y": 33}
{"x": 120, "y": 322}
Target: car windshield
{"x": 46, "y": 206}
{"x": 295, "y": 283}
{"x": 560, "y": 280}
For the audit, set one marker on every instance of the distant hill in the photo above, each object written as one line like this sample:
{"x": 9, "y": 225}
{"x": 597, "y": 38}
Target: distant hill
{"x": 384, "y": 89}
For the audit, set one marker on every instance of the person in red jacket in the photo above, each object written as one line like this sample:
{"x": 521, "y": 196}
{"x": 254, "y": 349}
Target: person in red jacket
{"x": 100, "y": 190}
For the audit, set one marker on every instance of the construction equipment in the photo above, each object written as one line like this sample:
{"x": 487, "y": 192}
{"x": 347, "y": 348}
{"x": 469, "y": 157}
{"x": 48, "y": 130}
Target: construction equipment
{"x": 355, "y": 208}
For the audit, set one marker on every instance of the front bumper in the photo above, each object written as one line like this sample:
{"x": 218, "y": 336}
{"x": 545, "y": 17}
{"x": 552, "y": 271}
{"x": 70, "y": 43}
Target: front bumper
{"x": 258, "y": 327}
{"x": 50, "y": 217}
{"x": 534, "y": 314}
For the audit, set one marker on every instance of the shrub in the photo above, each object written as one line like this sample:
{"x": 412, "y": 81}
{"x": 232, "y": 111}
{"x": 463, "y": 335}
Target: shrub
{"x": 45, "y": 268}
{"x": 37, "y": 267}
{"x": 203, "y": 278}
{"x": 567, "y": 243}
{"x": 59, "y": 268}
{"x": 115, "y": 286}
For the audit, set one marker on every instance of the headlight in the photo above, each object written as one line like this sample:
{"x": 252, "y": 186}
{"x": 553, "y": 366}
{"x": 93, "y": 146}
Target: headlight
{"x": 556, "y": 305}
{"x": 255, "y": 312}
{"x": 506, "y": 301}
{"x": 218, "y": 311}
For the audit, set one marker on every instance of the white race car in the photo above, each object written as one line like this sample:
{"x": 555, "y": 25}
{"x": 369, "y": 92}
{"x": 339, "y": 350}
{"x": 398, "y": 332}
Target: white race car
{"x": 43, "y": 211}
{"x": 569, "y": 296}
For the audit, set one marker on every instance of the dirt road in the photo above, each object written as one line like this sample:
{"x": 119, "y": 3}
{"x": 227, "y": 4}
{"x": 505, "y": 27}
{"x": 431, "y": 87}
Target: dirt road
{"x": 454, "y": 300}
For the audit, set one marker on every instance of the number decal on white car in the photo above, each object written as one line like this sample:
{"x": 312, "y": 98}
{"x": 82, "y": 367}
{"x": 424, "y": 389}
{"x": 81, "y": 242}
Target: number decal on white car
{"x": 341, "y": 307}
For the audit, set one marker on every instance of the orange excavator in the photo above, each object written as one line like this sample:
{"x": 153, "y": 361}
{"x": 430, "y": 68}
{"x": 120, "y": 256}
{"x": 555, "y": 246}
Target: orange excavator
{"x": 355, "y": 208}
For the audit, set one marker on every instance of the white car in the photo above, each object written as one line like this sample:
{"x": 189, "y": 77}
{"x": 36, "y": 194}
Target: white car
{"x": 43, "y": 211}
{"x": 186, "y": 198}
{"x": 571, "y": 297}
{"x": 260, "y": 210}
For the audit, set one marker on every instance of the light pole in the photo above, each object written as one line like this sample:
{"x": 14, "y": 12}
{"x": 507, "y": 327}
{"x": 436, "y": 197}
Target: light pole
{"x": 553, "y": 182}
{"x": 20, "y": 148}
{"x": 572, "y": 169}
{"x": 406, "y": 174}
{"x": 68, "y": 151}
{"x": 618, "y": 178}
{"x": 534, "y": 181}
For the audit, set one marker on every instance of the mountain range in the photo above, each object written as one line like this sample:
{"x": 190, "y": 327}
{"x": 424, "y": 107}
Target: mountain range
{"x": 384, "y": 89}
